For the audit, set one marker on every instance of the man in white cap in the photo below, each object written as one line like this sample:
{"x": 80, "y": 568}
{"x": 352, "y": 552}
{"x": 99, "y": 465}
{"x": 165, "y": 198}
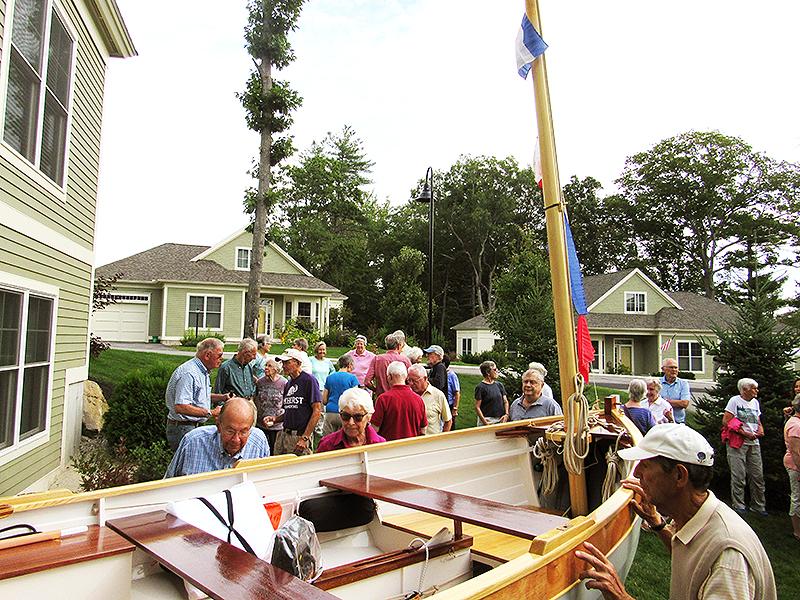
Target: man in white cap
{"x": 438, "y": 374}
{"x": 715, "y": 554}
{"x": 302, "y": 406}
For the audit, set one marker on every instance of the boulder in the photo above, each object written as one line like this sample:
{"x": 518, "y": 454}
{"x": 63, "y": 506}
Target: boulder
{"x": 94, "y": 406}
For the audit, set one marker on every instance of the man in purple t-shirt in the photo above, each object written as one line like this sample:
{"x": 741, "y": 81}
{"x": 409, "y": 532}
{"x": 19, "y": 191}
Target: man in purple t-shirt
{"x": 302, "y": 407}
{"x": 399, "y": 413}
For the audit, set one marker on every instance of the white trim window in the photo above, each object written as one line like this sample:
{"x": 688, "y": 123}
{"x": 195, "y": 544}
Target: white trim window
{"x": 40, "y": 73}
{"x": 204, "y": 312}
{"x": 466, "y": 345}
{"x": 304, "y": 310}
{"x": 690, "y": 357}
{"x": 635, "y": 302}
{"x": 243, "y": 259}
{"x": 26, "y": 370}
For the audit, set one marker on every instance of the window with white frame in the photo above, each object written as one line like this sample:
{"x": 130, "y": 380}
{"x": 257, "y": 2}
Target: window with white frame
{"x": 635, "y": 302}
{"x": 304, "y": 310}
{"x": 466, "y": 345}
{"x": 690, "y": 357}
{"x": 288, "y": 310}
{"x": 26, "y": 336}
{"x": 39, "y": 85}
{"x": 205, "y": 311}
{"x": 595, "y": 365}
{"x": 243, "y": 259}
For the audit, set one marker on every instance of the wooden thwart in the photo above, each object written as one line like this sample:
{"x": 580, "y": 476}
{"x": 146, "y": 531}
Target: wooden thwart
{"x": 513, "y": 520}
{"x": 219, "y": 569}
{"x": 96, "y": 543}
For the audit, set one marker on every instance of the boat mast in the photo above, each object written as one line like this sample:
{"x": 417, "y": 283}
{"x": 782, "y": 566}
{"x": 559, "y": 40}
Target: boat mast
{"x": 556, "y": 239}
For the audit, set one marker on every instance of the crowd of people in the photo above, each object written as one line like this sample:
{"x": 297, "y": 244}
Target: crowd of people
{"x": 365, "y": 398}
{"x": 267, "y": 405}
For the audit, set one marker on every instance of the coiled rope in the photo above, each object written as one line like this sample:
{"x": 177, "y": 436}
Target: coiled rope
{"x": 576, "y": 442}
{"x": 546, "y": 451}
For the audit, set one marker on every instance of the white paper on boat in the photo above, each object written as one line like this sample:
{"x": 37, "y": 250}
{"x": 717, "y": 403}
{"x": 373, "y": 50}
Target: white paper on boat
{"x": 250, "y": 518}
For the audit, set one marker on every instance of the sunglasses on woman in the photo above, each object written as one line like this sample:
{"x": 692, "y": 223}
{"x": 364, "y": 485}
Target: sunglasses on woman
{"x": 357, "y": 417}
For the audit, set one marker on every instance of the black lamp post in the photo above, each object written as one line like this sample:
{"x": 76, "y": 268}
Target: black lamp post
{"x": 427, "y": 196}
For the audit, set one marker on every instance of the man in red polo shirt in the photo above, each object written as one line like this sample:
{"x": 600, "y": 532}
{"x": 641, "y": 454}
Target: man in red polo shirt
{"x": 399, "y": 413}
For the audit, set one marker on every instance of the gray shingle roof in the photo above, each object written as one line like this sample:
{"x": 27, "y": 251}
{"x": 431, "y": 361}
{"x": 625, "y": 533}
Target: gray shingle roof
{"x": 478, "y": 322}
{"x": 172, "y": 262}
{"x": 699, "y": 312}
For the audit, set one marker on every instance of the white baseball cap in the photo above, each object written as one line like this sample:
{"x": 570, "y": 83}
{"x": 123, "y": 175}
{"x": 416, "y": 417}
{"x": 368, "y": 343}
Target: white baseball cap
{"x": 672, "y": 440}
{"x": 290, "y": 353}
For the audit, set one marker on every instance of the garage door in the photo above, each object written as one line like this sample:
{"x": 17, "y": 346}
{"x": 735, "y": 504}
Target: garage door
{"x": 125, "y": 321}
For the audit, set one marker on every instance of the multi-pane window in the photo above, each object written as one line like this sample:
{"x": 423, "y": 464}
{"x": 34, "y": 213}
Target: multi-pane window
{"x": 205, "y": 311}
{"x": 690, "y": 356}
{"x": 635, "y": 302}
{"x": 26, "y": 327}
{"x": 466, "y": 345}
{"x": 39, "y": 82}
{"x": 304, "y": 310}
{"x": 243, "y": 259}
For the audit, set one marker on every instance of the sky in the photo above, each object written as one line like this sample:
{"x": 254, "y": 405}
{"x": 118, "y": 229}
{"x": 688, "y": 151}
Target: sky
{"x": 422, "y": 82}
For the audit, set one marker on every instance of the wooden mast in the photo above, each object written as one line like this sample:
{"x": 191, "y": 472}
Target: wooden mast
{"x": 556, "y": 237}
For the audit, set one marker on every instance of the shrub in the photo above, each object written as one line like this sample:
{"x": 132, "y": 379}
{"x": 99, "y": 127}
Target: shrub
{"x": 299, "y": 328}
{"x": 101, "y": 467}
{"x": 137, "y": 412}
{"x": 190, "y": 339}
{"x": 341, "y": 338}
{"x": 498, "y": 358}
{"x": 152, "y": 462}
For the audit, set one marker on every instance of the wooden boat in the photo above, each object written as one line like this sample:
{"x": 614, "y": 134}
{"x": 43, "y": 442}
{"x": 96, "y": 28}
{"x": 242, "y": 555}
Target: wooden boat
{"x": 483, "y": 483}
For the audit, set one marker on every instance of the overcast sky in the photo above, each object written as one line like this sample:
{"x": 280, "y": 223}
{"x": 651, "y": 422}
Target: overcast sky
{"x": 421, "y": 85}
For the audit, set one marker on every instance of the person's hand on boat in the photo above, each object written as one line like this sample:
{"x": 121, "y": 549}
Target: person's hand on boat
{"x": 641, "y": 503}
{"x": 602, "y": 575}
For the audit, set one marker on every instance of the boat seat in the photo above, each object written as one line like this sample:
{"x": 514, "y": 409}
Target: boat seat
{"x": 493, "y": 545}
{"x": 219, "y": 569}
{"x": 517, "y": 521}
{"x": 98, "y": 554}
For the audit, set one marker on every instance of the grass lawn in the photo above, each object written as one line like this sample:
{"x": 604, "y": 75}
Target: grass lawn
{"x": 650, "y": 574}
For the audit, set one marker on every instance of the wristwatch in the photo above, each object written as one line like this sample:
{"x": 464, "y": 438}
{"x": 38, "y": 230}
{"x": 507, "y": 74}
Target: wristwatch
{"x": 658, "y": 527}
{"x": 208, "y": 414}
{"x": 305, "y": 438}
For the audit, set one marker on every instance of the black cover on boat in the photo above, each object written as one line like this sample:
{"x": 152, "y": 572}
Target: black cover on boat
{"x": 338, "y": 511}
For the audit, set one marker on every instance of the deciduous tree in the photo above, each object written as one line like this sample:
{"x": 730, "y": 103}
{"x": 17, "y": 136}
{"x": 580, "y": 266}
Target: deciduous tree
{"x": 694, "y": 200}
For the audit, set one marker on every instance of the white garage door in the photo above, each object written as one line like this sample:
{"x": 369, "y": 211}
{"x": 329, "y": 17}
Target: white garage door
{"x": 125, "y": 321}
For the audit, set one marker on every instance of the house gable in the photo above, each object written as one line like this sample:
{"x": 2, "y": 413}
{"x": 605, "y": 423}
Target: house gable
{"x": 226, "y": 253}
{"x": 635, "y": 293}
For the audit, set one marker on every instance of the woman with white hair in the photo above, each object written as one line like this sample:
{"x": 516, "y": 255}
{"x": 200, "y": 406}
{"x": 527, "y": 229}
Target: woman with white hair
{"x": 414, "y": 354}
{"x": 355, "y": 410}
{"x": 661, "y": 409}
{"x": 641, "y": 417}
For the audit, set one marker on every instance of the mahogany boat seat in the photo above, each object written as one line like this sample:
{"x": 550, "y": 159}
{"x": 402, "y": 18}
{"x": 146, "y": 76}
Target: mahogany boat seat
{"x": 219, "y": 569}
{"x": 514, "y": 520}
{"x": 96, "y": 543}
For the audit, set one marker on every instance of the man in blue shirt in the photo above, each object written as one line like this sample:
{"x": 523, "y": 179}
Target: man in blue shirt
{"x": 188, "y": 396}
{"x": 237, "y": 375}
{"x": 674, "y": 389}
{"x": 213, "y": 448}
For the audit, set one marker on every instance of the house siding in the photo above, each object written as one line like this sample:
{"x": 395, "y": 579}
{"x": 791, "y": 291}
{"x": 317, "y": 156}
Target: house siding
{"x": 615, "y": 302}
{"x": 62, "y": 260}
{"x": 176, "y": 310}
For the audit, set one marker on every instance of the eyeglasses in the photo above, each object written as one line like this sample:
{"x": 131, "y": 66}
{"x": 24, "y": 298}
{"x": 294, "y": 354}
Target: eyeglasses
{"x": 357, "y": 417}
{"x": 410, "y": 381}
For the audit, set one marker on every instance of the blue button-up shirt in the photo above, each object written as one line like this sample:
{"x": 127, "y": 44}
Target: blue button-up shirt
{"x": 189, "y": 384}
{"x": 201, "y": 451}
{"x": 677, "y": 390}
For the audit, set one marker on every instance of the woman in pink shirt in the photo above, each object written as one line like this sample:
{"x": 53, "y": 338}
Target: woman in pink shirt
{"x": 362, "y": 358}
{"x": 791, "y": 435}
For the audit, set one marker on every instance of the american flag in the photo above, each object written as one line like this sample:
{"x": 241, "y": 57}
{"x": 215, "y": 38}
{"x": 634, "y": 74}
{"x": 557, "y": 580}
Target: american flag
{"x": 665, "y": 346}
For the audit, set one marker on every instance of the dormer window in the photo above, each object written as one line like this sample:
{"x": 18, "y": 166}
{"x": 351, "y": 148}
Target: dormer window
{"x": 635, "y": 302}
{"x": 243, "y": 259}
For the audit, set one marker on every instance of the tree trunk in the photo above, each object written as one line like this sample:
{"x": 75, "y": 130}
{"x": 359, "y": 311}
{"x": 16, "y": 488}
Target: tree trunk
{"x": 260, "y": 224}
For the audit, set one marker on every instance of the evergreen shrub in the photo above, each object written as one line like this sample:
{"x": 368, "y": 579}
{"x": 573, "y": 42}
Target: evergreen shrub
{"x": 136, "y": 412}
{"x": 191, "y": 340}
